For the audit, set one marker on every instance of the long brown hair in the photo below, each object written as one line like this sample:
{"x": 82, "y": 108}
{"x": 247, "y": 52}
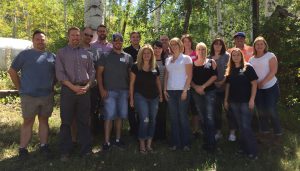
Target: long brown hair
{"x": 230, "y": 64}
{"x": 140, "y": 60}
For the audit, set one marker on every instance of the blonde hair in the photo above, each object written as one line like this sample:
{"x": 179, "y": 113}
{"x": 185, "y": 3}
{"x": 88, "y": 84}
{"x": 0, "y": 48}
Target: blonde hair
{"x": 179, "y": 42}
{"x": 140, "y": 60}
{"x": 230, "y": 64}
{"x": 265, "y": 42}
{"x": 201, "y": 44}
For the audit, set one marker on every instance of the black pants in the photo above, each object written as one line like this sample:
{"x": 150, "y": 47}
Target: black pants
{"x": 79, "y": 106}
{"x": 133, "y": 121}
{"x": 161, "y": 117}
{"x": 96, "y": 109}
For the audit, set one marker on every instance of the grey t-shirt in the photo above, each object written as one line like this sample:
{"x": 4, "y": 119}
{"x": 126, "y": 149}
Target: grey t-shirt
{"x": 221, "y": 67}
{"x": 116, "y": 70}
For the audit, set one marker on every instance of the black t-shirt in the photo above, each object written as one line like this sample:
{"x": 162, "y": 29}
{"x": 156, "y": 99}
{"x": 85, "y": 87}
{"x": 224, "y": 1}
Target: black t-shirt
{"x": 132, "y": 51}
{"x": 145, "y": 82}
{"x": 201, "y": 74}
{"x": 240, "y": 84}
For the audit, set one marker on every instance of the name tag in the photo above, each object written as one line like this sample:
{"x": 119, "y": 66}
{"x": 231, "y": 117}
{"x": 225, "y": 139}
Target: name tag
{"x": 50, "y": 59}
{"x": 83, "y": 56}
{"x": 122, "y": 59}
{"x": 154, "y": 71}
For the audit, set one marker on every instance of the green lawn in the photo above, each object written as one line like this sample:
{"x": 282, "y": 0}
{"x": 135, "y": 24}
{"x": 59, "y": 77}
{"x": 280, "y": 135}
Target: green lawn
{"x": 285, "y": 157}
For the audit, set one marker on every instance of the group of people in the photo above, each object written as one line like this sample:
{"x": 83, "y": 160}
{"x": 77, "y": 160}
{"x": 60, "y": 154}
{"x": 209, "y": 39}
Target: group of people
{"x": 143, "y": 84}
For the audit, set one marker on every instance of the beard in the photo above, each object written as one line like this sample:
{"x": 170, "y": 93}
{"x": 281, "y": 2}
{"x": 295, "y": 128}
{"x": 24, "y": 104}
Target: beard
{"x": 102, "y": 37}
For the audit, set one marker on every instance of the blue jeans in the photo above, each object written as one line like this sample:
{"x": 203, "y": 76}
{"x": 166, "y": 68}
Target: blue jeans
{"x": 178, "y": 109}
{"x": 205, "y": 105}
{"x": 147, "y": 110}
{"x": 266, "y": 103}
{"x": 232, "y": 123}
{"x": 243, "y": 116}
{"x": 116, "y": 105}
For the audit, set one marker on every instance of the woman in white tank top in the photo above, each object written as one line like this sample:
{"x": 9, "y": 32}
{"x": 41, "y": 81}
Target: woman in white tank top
{"x": 265, "y": 65}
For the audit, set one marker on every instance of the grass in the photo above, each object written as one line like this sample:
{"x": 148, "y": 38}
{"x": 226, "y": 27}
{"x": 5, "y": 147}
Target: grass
{"x": 285, "y": 157}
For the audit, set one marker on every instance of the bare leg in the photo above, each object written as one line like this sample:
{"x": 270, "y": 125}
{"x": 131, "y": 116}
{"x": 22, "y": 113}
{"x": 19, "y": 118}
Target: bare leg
{"x": 107, "y": 130}
{"x": 142, "y": 146}
{"x": 118, "y": 126}
{"x": 26, "y": 131}
{"x": 43, "y": 129}
{"x": 149, "y": 144}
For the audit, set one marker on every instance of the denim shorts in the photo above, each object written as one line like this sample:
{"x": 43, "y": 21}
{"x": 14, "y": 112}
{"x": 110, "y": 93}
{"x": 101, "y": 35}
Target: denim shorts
{"x": 116, "y": 105}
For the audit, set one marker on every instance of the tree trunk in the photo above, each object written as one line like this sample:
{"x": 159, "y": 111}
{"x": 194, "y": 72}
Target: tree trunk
{"x": 93, "y": 13}
{"x": 210, "y": 22}
{"x": 255, "y": 17}
{"x": 157, "y": 17}
{"x": 219, "y": 19}
{"x": 189, "y": 8}
{"x": 65, "y": 14}
{"x": 270, "y": 6}
{"x": 126, "y": 16}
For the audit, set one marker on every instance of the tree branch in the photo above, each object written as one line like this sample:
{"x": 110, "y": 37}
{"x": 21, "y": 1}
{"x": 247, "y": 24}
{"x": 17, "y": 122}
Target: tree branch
{"x": 157, "y": 6}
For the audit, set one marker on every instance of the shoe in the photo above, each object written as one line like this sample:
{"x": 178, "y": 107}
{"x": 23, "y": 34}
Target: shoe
{"x": 106, "y": 147}
{"x": 120, "y": 144}
{"x": 173, "y": 148}
{"x": 252, "y": 157}
{"x": 232, "y": 138}
{"x": 64, "y": 158}
{"x": 218, "y": 136}
{"x": 150, "y": 150}
{"x": 143, "y": 151}
{"x": 44, "y": 150}
{"x": 23, "y": 153}
{"x": 186, "y": 148}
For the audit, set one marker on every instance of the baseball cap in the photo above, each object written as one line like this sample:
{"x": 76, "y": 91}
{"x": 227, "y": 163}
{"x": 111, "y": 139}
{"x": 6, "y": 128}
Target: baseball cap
{"x": 241, "y": 34}
{"x": 116, "y": 36}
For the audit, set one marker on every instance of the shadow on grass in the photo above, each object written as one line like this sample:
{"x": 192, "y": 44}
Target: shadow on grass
{"x": 270, "y": 157}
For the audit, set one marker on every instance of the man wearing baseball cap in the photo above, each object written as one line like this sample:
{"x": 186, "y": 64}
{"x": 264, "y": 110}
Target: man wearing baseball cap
{"x": 113, "y": 79}
{"x": 239, "y": 42}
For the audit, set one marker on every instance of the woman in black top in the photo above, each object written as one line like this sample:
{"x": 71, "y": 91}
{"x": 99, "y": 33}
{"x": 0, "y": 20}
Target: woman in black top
{"x": 204, "y": 94}
{"x": 161, "y": 117}
{"x": 145, "y": 93}
{"x": 241, "y": 86}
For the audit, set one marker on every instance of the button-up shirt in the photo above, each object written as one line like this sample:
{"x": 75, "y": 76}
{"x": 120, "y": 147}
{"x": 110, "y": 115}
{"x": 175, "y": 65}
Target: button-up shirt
{"x": 102, "y": 47}
{"x": 74, "y": 65}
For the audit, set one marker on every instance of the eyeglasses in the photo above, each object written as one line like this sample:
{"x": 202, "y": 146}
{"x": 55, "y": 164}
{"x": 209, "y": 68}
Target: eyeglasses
{"x": 89, "y": 35}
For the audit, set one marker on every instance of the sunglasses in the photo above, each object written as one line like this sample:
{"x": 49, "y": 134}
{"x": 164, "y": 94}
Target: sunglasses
{"x": 90, "y": 35}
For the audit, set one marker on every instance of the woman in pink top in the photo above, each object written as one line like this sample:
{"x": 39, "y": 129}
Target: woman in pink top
{"x": 188, "y": 50}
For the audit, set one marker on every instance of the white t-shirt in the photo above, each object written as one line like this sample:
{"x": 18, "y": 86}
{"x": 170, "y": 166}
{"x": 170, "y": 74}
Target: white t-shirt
{"x": 177, "y": 72}
{"x": 262, "y": 68}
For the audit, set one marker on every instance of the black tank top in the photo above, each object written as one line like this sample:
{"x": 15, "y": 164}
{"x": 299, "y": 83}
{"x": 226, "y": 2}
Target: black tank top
{"x": 203, "y": 73}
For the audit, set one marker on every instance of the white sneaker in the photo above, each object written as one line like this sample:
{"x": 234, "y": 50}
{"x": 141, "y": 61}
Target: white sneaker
{"x": 218, "y": 136}
{"x": 232, "y": 137}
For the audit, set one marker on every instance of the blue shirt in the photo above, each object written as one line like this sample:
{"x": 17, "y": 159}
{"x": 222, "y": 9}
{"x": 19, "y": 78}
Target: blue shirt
{"x": 37, "y": 72}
